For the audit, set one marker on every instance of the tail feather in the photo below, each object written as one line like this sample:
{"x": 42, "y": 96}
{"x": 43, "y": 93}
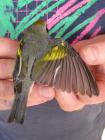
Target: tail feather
{"x": 18, "y": 110}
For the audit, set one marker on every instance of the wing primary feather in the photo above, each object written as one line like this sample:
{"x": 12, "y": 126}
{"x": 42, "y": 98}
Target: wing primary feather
{"x": 58, "y": 81}
{"x": 54, "y": 79}
{"x": 64, "y": 70}
{"x": 66, "y": 73}
{"x": 87, "y": 85}
{"x": 53, "y": 72}
{"x": 45, "y": 70}
{"x": 73, "y": 72}
{"x": 94, "y": 87}
{"x": 79, "y": 76}
{"x": 62, "y": 81}
{"x": 47, "y": 73}
{"x": 75, "y": 78}
{"x": 68, "y": 80}
{"x": 70, "y": 73}
{"x": 56, "y": 71}
{"x": 81, "y": 86}
{"x": 50, "y": 73}
{"x": 89, "y": 93}
{"x": 86, "y": 81}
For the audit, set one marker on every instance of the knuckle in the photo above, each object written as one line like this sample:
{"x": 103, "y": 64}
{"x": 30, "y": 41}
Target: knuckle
{"x": 6, "y": 89}
{"x": 2, "y": 89}
{"x": 6, "y": 68}
{"x": 2, "y": 68}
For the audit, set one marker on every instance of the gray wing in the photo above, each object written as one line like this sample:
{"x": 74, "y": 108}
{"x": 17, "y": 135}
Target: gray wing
{"x": 69, "y": 73}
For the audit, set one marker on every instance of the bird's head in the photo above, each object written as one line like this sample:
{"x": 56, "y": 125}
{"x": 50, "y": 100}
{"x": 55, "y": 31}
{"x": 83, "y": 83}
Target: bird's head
{"x": 37, "y": 27}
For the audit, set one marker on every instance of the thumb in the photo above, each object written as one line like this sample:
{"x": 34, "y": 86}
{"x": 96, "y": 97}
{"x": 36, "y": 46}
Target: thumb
{"x": 68, "y": 101}
{"x": 93, "y": 54}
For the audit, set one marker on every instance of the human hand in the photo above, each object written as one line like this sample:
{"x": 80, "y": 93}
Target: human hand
{"x": 8, "y": 49}
{"x": 68, "y": 102}
{"x": 92, "y": 52}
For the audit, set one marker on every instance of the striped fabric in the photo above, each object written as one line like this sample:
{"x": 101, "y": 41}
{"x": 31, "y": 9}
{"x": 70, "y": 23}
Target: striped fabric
{"x": 73, "y": 20}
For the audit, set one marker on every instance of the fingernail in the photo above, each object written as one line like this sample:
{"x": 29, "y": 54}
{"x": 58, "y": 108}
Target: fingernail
{"x": 90, "y": 54}
{"x": 46, "y": 92}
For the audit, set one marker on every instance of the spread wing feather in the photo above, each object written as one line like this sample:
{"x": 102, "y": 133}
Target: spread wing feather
{"x": 68, "y": 73}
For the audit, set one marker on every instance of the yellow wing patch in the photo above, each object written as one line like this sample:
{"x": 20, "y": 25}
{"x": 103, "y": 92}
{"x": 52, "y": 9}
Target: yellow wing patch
{"x": 19, "y": 49}
{"x": 19, "y": 52}
{"x": 55, "y": 53}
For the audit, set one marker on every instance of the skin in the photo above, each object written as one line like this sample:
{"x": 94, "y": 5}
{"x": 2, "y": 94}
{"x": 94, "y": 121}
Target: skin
{"x": 93, "y": 53}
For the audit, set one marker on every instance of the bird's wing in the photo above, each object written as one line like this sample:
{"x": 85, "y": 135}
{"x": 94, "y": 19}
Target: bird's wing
{"x": 63, "y": 69}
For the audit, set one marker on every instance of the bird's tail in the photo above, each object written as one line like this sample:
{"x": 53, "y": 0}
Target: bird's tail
{"x": 18, "y": 110}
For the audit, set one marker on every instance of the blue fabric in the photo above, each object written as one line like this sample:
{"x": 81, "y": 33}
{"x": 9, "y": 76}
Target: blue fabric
{"x": 48, "y": 121}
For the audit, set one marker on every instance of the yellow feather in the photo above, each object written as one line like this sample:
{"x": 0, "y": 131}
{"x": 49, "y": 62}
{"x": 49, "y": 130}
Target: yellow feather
{"x": 55, "y": 53}
{"x": 19, "y": 52}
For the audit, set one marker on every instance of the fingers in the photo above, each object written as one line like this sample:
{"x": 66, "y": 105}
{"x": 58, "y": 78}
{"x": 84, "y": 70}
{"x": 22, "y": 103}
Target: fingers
{"x": 8, "y": 48}
{"x": 94, "y": 54}
{"x": 40, "y": 95}
{"x": 84, "y": 43}
{"x": 6, "y": 90}
{"x": 68, "y": 101}
{"x": 47, "y": 92}
{"x": 93, "y": 50}
{"x": 6, "y": 68}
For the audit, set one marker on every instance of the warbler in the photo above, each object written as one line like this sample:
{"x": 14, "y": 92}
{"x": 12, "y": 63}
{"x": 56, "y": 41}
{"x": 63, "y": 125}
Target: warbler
{"x": 44, "y": 60}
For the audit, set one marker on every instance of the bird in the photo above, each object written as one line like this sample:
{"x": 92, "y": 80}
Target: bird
{"x": 45, "y": 60}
